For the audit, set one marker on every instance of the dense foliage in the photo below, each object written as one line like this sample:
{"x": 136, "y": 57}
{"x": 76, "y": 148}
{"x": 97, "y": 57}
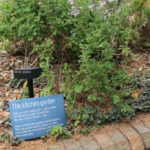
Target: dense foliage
{"x": 89, "y": 40}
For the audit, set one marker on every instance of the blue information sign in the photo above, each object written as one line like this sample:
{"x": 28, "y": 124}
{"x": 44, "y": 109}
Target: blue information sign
{"x": 34, "y": 117}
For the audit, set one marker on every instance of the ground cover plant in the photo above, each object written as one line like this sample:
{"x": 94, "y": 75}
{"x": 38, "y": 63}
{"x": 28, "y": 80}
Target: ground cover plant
{"x": 89, "y": 41}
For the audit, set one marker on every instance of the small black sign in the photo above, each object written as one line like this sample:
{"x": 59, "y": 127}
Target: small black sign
{"x": 27, "y": 73}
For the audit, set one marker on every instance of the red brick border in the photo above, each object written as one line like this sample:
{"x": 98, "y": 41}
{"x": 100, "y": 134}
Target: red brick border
{"x": 130, "y": 136}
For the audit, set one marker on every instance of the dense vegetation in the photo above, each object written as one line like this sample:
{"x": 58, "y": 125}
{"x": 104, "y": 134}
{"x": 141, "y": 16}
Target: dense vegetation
{"x": 89, "y": 40}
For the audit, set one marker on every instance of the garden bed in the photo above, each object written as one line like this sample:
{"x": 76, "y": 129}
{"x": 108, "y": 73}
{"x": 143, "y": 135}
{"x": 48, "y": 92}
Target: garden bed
{"x": 9, "y": 91}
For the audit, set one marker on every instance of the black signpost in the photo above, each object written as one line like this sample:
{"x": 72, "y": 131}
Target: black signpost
{"x": 29, "y": 74}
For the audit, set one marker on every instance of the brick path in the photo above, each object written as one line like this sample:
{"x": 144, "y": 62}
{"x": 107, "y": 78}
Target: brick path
{"x": 129, "y": 136}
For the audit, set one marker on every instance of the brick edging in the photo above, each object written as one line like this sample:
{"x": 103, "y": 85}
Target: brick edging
{"x": 131, "y": 136}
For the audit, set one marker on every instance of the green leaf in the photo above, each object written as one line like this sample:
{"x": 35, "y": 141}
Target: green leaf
{"x": 78, "y": 88}
{"x": 116, "y": 99}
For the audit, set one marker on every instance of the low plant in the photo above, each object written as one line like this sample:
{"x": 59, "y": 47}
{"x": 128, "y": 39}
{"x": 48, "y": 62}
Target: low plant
{"x": 59, "y": 132}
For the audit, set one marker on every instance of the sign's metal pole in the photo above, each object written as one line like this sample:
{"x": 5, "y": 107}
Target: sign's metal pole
{"x": 30, "y": 88}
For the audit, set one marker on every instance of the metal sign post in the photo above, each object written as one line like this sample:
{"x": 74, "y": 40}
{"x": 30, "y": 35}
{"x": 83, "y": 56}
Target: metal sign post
{"x": 29, "y": 74}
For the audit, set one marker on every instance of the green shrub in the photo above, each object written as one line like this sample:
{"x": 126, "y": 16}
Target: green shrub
{"x": 89, "y": 40}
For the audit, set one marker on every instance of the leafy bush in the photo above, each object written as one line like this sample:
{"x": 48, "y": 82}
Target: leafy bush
{"x": 89, "y": 39}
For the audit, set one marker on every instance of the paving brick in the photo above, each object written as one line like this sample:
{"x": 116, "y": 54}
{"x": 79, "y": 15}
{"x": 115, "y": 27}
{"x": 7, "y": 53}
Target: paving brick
{"x": 147, "y": 124}
{"x": 88, "y": 143}
{"x": 120, "y": 141}
{"x": 58, "y": 146}
{"x": 133, "y": 137}
{"x": 72, "y": 145}
{"x": 105, "y": 141}
{"x": 145, "y": 118}
{"x": 144, "y": 131}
